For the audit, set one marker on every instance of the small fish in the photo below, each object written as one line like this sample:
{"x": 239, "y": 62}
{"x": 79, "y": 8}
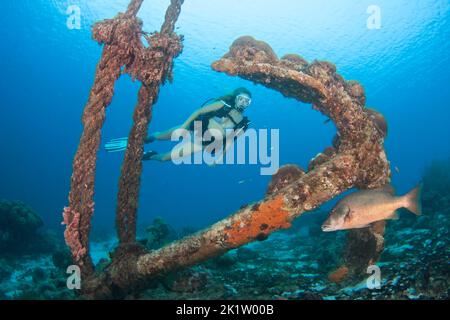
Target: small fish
{"x": 360, "y": 209}
{"x": 245, "y": 181}
{"x": 397, "y": 169}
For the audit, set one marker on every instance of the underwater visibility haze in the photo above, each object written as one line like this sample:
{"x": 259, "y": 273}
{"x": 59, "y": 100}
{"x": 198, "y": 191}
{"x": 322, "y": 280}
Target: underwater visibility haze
{"x": 366, "y": 81}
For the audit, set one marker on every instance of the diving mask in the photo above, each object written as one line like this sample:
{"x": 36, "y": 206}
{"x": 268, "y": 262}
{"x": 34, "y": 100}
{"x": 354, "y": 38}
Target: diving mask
{"x": 243, "y": 101}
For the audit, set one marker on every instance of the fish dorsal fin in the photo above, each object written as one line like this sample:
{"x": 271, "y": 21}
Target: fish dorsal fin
{"x": 387, "y": 188}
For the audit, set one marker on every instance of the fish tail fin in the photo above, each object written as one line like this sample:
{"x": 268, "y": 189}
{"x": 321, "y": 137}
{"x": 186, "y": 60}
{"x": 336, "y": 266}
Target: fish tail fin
{"x": 413, "y": 202}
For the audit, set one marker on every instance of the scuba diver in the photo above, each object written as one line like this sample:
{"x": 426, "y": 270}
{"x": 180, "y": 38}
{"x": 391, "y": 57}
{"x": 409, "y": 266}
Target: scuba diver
{"x": 221, "y": 114}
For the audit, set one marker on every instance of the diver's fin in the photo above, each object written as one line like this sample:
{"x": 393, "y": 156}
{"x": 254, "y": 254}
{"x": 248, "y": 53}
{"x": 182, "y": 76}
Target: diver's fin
{"x": 115, "y": 150}
{"x": 118, "y": 139}
{"x": 412, "y": 200}
{"x": 116, "y": 145}
{"x": 148, "y": 155}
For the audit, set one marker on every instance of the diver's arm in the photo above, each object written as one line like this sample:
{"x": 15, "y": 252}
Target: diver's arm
{"x": 233, "y": 136}
{"x": 166, "y": 135}
{"x": 207, "y": 109}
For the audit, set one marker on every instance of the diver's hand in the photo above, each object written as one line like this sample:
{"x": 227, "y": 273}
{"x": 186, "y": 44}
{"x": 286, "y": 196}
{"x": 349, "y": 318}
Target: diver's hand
{"x": 117, "y": 145}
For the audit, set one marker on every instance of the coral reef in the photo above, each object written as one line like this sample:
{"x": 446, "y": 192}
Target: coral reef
{"x": 436, "y": 182}
{"x": 5, "y": 270}
{"x": 338, "y": 275}
{"x": 26, "y": 269}
{"x": 19, "y": 231}
{"x": 157, "y": 234}
{"x": 186, "y": 281}
{"x": 35, "y": 278}
{"x": 61, "y": 259}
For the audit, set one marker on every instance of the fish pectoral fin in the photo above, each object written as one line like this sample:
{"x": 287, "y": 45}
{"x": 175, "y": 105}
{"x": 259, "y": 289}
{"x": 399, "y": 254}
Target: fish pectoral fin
{"x": 348, "y": 213}
{"x": 393, "y": 216}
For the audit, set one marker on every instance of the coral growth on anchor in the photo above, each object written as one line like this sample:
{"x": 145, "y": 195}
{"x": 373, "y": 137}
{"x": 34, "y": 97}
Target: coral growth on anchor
{"x": 284, "y": 177}
{"x": 123, "y": 50}
{"x": 356, "y": 160}
{"x": 71, "y": 234}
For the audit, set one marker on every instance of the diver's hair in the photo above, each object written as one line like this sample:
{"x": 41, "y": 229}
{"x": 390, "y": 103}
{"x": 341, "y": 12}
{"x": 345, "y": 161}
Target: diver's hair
{"x": 231, "y": 98}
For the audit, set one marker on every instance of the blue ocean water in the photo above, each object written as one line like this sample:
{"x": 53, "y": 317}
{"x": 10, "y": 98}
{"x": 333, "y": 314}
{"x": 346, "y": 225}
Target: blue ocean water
{"x": 48, "y": 69}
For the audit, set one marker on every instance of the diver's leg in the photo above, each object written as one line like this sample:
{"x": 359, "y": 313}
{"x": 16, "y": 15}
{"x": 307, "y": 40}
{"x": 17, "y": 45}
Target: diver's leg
{"x": 164, "y": 135}
{"x": 176, "y": 153}
{"x": 167, "y": 135}
{"x": 120, "y": 144}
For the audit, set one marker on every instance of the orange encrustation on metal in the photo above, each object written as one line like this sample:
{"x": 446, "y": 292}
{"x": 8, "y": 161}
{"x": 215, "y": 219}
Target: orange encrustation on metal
{"x": 265, "y": 218}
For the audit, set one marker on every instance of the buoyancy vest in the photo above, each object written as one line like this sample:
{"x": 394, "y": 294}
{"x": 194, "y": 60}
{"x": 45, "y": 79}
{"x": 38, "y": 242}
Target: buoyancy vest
{"x": 223, "y": 112}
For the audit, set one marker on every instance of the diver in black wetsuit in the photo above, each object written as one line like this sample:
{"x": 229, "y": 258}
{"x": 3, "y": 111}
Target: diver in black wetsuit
{"x": 221, "y": 114}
